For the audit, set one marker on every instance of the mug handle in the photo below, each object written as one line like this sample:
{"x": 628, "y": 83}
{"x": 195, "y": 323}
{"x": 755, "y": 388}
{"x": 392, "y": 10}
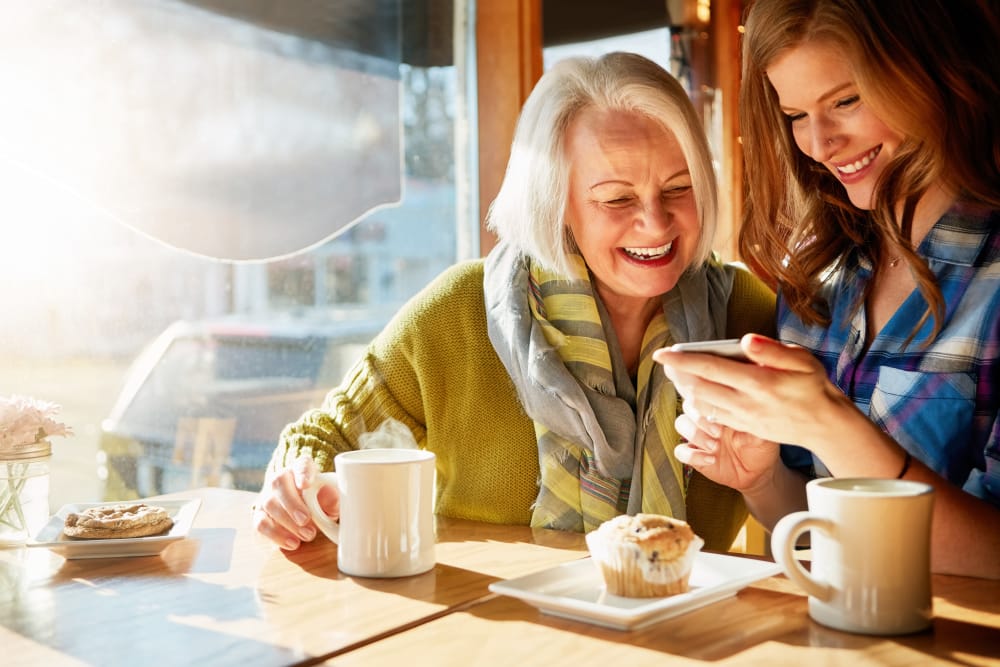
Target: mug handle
{"x": 786, "y": 533}
{"x": 323, "y": 521}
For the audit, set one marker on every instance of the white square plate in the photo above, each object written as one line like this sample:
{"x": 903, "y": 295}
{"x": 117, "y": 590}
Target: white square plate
{"x": 51, "y": 535}
{"x": 575, "y": 590}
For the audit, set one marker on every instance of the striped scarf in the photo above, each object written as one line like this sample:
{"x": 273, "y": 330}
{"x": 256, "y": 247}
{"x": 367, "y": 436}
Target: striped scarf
{"x": 579, "y": 490}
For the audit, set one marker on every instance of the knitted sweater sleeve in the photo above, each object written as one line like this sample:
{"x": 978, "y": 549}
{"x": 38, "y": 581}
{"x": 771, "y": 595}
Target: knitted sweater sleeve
{"x": 434, "y": 369}
{"x": 357, "y": 406}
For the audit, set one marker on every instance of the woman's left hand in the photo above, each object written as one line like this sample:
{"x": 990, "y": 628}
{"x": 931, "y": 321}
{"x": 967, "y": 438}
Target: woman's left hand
{"x": 731, "y": 458}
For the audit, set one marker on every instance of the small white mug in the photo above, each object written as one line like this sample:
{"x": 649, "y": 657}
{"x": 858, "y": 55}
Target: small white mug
{"x": 870, "y": 544}
{"x": 386, "y": 524}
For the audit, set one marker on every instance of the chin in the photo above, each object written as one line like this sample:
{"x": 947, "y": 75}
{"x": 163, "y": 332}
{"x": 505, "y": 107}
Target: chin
{"x": 864, "y": 200}
{"x": 661, "y": 287}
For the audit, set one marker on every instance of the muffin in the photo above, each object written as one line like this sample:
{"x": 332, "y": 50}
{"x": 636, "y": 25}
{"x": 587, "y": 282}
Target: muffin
{"x": 646, "y": 555}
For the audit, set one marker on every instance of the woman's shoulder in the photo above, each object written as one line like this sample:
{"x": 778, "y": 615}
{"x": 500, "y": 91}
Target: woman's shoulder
{"x": 744, "y": 280}
{"x": 751, "y": 302}
{"x": 746, "y": 285}
{"x": 466, "y": 275}
{"x": 969, "y": 233}
{"x": 452, "y": 303}
{"x": 460, "y": 277}
{"x": 458, "y": 286}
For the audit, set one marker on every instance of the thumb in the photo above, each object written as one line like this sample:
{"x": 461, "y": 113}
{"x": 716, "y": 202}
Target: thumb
{"x": 775, "y": 354}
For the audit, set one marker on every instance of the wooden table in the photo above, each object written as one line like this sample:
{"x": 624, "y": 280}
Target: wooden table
{"x": 765, "y": 624}
{"x": 225, "y": 596}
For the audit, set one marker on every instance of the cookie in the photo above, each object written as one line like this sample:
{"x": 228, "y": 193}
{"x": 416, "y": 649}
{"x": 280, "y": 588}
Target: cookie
{"x": 117, "y": 521}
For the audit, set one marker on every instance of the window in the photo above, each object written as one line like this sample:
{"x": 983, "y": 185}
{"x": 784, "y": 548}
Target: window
{"x": 654, "y": 44}
{"x": 172, "y": 183}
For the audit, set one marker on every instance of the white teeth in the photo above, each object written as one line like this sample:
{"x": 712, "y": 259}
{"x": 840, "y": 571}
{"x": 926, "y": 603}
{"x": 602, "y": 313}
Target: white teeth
{"x": 854, "y": 167}
{"x": 650, "y": 253}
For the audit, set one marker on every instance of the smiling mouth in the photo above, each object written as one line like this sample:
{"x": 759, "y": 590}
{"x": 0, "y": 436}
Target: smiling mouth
{"x": 858, "y": 165}
{"x": 649, "y": 254}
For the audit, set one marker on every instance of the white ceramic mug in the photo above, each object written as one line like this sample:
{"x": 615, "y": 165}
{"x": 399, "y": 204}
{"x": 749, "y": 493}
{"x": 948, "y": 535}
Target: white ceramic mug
{"x": 386, "y": 524}
{"x": 870, "y": 544}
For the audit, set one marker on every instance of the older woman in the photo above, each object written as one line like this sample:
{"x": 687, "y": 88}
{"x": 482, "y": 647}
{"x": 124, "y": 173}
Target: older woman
{"x": 530, "y": 374}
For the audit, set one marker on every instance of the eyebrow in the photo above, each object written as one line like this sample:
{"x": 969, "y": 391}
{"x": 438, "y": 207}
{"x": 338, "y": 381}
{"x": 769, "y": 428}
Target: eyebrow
{"x": 617, "y": 181}
{"x": 833, "y": 92}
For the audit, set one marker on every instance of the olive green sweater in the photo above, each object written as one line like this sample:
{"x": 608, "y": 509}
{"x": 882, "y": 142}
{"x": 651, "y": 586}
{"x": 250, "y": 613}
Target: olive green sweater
{"x": 434, "y": 369}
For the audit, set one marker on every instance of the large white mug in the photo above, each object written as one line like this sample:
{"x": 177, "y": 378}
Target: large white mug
{"x": 386, "y": 524}
{"x": 870, "y": 550}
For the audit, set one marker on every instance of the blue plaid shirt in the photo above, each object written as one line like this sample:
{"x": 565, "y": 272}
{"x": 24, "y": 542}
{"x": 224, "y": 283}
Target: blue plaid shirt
{"x": 940, "y": 402}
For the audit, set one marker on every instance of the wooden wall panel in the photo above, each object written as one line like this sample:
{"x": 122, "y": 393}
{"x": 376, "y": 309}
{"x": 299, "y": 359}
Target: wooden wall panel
{"x": 725, "y": 45}
{"x": 509, "y": 63}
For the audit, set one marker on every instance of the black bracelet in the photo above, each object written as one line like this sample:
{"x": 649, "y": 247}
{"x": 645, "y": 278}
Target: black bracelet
{"x": 906, "y": 465}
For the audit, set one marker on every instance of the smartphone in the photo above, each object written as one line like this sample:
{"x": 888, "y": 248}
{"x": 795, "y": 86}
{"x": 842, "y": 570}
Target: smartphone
{"x": 729, "y": 348}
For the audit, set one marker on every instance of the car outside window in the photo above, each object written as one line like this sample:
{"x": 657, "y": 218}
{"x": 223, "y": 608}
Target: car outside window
{"x": 204, "y": 402}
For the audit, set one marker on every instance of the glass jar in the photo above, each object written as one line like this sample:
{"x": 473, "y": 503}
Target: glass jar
{"x": 24, "y": 492}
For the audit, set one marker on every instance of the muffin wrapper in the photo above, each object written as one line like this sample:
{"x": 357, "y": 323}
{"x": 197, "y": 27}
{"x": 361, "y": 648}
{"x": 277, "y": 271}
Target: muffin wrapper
{"x": 627, "y": 573}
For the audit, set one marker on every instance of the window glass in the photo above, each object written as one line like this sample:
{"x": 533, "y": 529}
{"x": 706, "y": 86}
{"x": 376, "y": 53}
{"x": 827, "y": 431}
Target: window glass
{"x": 177, "y": 364}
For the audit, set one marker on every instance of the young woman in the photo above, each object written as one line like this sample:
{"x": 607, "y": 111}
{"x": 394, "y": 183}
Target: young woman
{"x": 530, "y": 374}
{"x": 871, "y": 138}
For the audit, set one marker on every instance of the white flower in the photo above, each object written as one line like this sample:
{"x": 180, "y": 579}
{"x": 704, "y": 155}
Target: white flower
{"x": 25, "y": 421}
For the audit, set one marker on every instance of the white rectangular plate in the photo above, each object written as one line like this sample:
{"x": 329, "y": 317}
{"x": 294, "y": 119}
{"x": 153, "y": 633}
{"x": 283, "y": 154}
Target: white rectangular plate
{"x": 575, "y": 590}
{"x": 51, "y": 535}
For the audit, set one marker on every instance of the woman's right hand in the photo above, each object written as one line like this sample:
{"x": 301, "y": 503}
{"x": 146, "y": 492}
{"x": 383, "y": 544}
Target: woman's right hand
{"x": 281, "y": 514}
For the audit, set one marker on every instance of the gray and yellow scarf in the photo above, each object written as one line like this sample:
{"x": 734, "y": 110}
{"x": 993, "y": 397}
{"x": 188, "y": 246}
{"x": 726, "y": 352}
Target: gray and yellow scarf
{"x": 598, "y": 456}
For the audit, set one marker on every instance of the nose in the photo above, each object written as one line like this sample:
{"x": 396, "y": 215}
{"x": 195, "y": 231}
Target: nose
{"x": 824, "y": 141}
{"x": 655, "y": 215}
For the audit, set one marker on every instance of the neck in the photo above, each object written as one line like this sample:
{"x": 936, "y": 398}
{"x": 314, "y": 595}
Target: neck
{"x": 630, "y": 317}
{"x": 934, "y": 204}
